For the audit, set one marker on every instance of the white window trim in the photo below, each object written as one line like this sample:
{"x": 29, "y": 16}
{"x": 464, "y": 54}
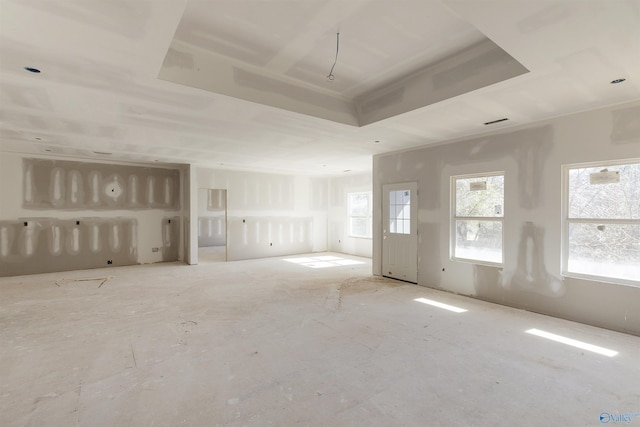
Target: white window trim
{"x": 564, "y": 244}
{"x": 369, "y": 216}
{"x": 453, "y": 218}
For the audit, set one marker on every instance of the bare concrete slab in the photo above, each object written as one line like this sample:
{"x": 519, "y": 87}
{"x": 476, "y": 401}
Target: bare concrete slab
{"x": 309, "y": 340}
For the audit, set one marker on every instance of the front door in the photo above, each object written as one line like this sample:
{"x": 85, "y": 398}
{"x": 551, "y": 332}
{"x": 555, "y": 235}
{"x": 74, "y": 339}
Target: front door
{"x": 400, "y": 231}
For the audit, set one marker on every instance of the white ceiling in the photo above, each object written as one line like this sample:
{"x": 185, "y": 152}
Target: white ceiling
{"x": 297, "y": 39}
{"x": 109, "y": 73}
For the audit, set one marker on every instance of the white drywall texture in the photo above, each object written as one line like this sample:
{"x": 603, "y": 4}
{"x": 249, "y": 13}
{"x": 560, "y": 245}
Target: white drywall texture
{"x": 271, "y": 214}
{"x": 141, "y": 228}
{"x": 339, "y": 238}
{"x": 531, "y": 157}
{"x": 212, "y": 211}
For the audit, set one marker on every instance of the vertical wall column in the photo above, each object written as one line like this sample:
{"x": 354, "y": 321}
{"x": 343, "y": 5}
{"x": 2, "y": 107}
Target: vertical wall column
{"x": 192, "y": 252}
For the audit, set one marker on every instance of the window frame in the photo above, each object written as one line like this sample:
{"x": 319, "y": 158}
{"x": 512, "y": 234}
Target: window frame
{"x": 454, "y": 218}
{"x": 368, "y": 217}
{"x": 400, "y": 220}
{"x": 566, "y": 222}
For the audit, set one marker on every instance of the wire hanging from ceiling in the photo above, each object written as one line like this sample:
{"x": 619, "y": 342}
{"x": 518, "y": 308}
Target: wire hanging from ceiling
{"x": 331, "y": 76}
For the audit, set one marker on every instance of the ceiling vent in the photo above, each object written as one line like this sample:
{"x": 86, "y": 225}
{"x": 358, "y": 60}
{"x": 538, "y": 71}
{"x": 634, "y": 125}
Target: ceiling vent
{"x": 496, "y": 121}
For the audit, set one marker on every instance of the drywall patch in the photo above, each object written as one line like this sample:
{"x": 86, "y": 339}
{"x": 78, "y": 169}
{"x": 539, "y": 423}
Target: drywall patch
{"x": 212, "y": 227}
{"x": 216, "y": 199}
{"x": 68, "y": 185}
{"x": 530, "y": 156}
{"x": 431, "y": 271}
{"x": 75, "y": 186}
{"x": 531, "y": 273}
{"x": 487, "y": 282}
{"x": 626, "y": 126}
{"x": 259, "y": 237}
{"x": 114, "y": 190}
{"x": 41, "y": 245}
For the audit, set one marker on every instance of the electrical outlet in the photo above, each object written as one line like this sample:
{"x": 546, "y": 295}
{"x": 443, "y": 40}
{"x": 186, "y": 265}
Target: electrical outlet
{"x": 109, "y": 261}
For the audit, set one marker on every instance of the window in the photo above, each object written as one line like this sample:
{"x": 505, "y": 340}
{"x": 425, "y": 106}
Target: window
{"x": 400, "y": 212}
{"x": 601, "y": 236}
{"x": 360, "y": 212}
{"x": 476, "y": 224}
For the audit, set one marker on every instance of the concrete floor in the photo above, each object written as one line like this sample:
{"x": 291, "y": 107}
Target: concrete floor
{"x": 271, "y": 342}
{"x": 212, "y": 254}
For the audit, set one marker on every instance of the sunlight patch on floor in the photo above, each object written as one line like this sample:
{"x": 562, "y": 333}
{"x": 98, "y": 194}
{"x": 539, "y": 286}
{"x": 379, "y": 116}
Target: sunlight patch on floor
{"x": 572, "y": 342}
{"x": 324, "y": 261}
{"x": 441, "y": 305}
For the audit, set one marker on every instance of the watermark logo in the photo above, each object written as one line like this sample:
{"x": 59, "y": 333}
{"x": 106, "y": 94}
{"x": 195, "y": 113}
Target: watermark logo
{"x": 625, "y": 417}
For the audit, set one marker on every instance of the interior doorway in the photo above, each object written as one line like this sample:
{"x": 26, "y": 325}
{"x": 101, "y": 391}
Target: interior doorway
{"x": 212, "y": 225}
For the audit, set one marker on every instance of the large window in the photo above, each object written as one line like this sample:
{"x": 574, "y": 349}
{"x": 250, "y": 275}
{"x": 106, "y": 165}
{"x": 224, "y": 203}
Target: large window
{"x": 360, "y": 212}
{"x": 478, "y": 212}
{"x": 601, "y": 236}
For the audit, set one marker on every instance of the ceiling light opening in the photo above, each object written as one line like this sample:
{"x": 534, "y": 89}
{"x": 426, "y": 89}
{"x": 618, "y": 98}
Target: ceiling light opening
{"x": 377, "y": 141}
{"x": 616, "y": 81}
{"x": 496, "y": 121}
{"x": 102, "y": 153}
{"x": 32, "y": 70}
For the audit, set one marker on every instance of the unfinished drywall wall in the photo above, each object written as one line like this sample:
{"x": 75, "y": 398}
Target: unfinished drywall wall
{"x": 271, "y": 214}
{"x": 340, "y": 238}
{"x": 41, "y": 245}
{"x": 531, "y": 158}
{"x": 212, "y": 213}
{"x": 60, "y": 214}
{"x": 59, "y": 184}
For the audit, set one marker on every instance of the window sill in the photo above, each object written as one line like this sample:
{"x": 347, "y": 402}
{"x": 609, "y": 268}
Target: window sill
{"x": 479, "y": 262}
{"x": 609, "y": 280}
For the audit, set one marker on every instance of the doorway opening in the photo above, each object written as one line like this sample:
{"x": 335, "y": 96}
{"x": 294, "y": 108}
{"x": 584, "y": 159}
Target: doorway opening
{"x": 212, "y": 225}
